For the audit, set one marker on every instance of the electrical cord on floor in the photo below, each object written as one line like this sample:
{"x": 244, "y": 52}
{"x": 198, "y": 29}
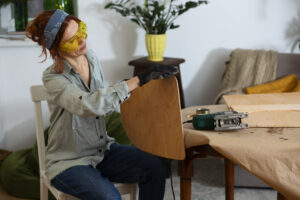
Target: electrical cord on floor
{"x": 171, "y": 175}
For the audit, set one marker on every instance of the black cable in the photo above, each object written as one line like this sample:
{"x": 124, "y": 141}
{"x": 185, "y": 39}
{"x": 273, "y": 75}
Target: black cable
{"x": 171, "y": 174}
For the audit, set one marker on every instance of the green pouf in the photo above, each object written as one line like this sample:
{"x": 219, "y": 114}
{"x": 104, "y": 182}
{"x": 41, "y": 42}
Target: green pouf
{"x": 115, "y": 128}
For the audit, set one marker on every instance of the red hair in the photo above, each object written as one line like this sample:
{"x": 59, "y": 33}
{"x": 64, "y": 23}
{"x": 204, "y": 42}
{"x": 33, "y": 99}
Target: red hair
{"x": 35, "y": 31}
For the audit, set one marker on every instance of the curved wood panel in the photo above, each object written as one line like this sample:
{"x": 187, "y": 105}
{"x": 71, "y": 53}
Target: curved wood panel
{"x": 152, "y": 119}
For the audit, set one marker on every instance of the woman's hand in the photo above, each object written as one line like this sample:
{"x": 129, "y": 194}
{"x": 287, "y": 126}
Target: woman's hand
{"x": 156, "y": 71}
{"x": 133, "y": 83}
{"x": 153, "y": 72}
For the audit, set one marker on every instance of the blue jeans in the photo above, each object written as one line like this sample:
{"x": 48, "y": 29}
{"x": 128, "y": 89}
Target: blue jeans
{"x": 123, "y": 164}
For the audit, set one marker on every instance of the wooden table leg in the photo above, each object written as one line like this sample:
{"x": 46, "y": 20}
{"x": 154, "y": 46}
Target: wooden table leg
{"x": 280, "y": 196}
{"x": 229, "y": 179}
{"x": 185, "y": 188}
{"x": 186, "y": 173}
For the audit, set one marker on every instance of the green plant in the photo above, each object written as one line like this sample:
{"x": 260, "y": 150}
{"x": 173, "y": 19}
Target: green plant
{"x": 5, "y": 2}
{"x": 155, "y": 17}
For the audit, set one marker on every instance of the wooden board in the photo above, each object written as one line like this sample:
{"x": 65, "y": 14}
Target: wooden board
{"x": 268, "y": 110}
{"x": 152, "y": 119}
{"x": 263, "y": 99}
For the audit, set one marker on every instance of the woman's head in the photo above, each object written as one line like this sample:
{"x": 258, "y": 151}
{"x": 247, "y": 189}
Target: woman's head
{"x": 51, "y": 29}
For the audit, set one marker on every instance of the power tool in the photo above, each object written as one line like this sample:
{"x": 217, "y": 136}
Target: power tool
{"x": 219, "y": 121}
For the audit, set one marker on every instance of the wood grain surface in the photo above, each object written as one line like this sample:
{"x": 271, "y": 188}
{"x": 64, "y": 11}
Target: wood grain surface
{"x": 152, "y": 119}
{"x": 268, "y": 110}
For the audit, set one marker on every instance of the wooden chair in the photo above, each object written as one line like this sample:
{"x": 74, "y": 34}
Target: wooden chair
{"x": 38, "y": 94}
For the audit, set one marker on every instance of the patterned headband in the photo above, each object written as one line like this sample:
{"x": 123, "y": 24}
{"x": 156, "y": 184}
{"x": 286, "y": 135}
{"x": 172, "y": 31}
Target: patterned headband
{"x": 53, "y": 27}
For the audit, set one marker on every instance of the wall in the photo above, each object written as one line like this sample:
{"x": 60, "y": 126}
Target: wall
{"x": 205, "y": 39}
{"x": 19, "y": 69}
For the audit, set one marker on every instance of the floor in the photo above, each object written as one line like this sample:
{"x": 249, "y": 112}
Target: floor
{"x": 5, "y": 196}
{"x": 208, "y": 184}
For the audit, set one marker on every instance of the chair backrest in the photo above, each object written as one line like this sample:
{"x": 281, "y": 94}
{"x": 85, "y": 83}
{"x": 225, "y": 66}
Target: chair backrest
{"x": 152, "y": 120}
{"x": 39, "y": 94}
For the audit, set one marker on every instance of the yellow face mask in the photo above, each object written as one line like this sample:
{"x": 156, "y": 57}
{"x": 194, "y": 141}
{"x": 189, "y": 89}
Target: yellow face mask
{"x": 73, "y": 43}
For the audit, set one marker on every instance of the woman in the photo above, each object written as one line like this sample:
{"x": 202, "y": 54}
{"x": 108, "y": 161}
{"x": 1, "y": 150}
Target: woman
{"x": 81, "y": 159}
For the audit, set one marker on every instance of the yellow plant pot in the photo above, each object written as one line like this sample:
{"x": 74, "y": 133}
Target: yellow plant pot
{"x": 156, "y": 45}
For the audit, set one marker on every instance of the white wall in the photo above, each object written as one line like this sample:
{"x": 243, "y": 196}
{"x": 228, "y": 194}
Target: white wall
{"x": 19, "y": 69}
{"x": 205, "y": 39}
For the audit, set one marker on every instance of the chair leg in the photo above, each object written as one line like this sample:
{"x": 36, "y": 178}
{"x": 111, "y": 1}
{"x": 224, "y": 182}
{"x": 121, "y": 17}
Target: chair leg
{"x": 229, "y": 179}
{"x": 133, "y": 192}
{"x": 43, "y": 190}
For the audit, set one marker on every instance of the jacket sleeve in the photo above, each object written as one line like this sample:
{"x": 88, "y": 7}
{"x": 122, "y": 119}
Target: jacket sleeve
{"x": 67, "y": 95}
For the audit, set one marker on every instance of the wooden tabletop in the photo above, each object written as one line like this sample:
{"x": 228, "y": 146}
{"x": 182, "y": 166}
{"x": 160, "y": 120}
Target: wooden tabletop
{"x": 144, "y": 62}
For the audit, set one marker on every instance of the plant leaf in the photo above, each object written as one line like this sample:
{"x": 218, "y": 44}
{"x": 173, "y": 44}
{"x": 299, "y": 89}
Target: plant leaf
{"x": 173, "y": 26}
{"x": 154, "y": 17}
{"x": 135, "y": 21}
